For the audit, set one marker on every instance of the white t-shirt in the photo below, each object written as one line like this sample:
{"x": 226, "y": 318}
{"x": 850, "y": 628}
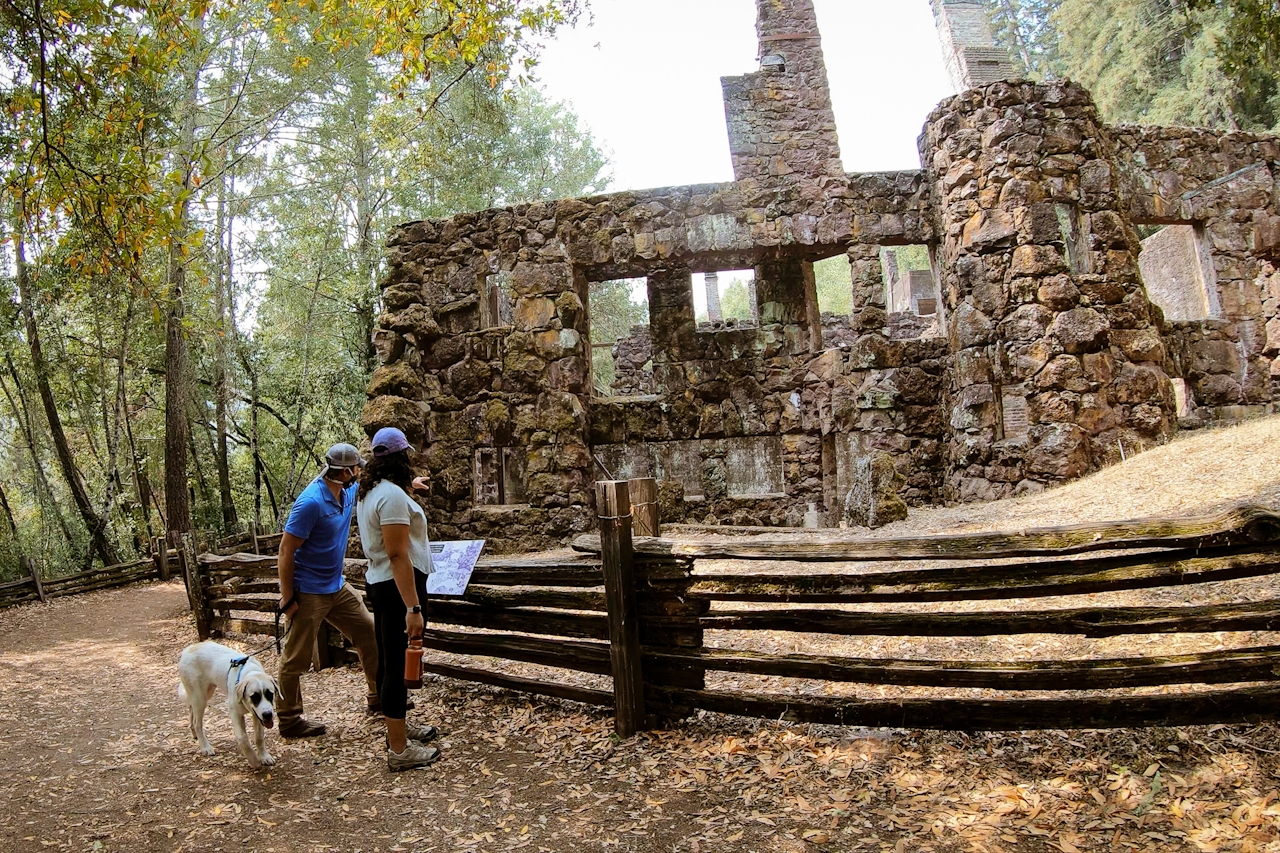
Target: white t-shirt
{"x": 387, "y": 503}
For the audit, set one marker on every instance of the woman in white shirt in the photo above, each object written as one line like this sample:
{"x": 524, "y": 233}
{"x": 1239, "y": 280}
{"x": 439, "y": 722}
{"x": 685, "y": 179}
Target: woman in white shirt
{"x": 393, "y": 531}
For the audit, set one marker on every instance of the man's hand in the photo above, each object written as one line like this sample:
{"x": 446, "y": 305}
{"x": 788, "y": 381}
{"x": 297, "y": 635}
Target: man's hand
{"x": 422, "y": 484}
{"x": 291, "y": 609}
{"x": 413, "y": 625}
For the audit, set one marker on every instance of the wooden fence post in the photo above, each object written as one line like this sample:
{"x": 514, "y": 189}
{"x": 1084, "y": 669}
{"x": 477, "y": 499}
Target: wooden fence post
{"x": 644, "y": 506}
{"x": 186, "y": 546}
{"x": 614, "y": 507}
{"x": 670, "y": 619}
{"x": 30, "y": 565}
{"x": 160, "y": 556}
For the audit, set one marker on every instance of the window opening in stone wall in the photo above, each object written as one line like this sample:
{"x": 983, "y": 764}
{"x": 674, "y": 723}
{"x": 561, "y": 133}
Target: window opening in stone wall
{"x": 833, "y": 285}
{"x": 500, "y": 476}
{"x": 724, "y": 299}
{"x": 833, "y": 281}
{"x": 1177, "y": 271}
{"x": 908, "y": 280}
{"x": 495, "y": 300}
{"x": 621, "y": 346}
{"x": 911, "y": 292}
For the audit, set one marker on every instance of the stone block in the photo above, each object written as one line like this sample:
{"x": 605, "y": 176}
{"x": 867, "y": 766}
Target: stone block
{"x": 1037, "y": 261}
{"x": 397, "y": 380}
{"x": 1059, "y": 293}
{"x": 1081, "y": 330}
{"x": 1027, "y": 323}
{"x": 1061, "y": 454}
{"x": 533, "y": 312}
{"x": 407, "y": 415}
{"x": 988, "y": 230}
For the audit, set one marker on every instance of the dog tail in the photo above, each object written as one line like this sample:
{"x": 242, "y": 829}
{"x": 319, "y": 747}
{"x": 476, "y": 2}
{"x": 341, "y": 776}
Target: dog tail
{"x": 182, "y": 692}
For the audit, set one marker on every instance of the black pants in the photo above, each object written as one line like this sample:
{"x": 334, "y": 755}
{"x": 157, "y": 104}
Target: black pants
{"x": 388, "y": 623}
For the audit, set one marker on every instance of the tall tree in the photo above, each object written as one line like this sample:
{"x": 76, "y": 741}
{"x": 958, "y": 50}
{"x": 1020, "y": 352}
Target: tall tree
{"x": 95, "y": 524}
{"x": 1250, "y": 33}
{"x": 1148, "y": 61}
{"x": 1025, "y": 29}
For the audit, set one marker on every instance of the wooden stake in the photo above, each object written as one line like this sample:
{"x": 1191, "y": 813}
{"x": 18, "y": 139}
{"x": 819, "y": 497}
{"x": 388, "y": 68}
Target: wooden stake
{"x": 644, "y": 506}
{"x": 160, "y": 555}
{"x": 30, "y": 565}
{"x": 614, "y": 505}
{"x": 195, "y": 589}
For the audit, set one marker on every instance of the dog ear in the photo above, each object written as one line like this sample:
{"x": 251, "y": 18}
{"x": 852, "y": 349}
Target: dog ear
{"x": 241, "y": 690}
{"x": 275, "y": 688}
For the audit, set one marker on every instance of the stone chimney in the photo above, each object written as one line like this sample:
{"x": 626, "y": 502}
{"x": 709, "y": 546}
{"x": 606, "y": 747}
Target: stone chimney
{"x": 712, "y": 281}
{"x": 969, "y": 46}
{"x": 780, "y": 118}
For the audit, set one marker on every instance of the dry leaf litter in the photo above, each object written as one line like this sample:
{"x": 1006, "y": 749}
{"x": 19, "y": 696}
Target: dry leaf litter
{"x": 95, "y": 753}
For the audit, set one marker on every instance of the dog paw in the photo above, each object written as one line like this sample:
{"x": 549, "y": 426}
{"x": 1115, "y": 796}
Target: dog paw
{"x": 206, "y": 750}
{"x": 268, "y": 760}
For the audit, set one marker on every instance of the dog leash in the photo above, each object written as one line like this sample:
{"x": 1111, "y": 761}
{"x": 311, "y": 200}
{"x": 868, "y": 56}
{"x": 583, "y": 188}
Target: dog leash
{"x": 241, "y": 661}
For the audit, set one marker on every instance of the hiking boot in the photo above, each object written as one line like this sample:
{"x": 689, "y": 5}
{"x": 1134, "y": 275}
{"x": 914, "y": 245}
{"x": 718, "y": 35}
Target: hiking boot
{"x": 375, "y": 707}
{"x": 302, "y": 728}
{"x": 421, "y": 734}
{"x": 414, "y": 755}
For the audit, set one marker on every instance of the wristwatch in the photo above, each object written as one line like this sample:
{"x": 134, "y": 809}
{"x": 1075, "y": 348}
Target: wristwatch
{"x": 417, "y": 608}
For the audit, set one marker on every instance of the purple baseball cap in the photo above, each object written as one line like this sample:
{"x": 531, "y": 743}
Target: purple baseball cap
{"x": 389, "y": 440}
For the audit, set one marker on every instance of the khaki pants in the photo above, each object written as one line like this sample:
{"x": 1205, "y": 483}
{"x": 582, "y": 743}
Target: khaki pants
{"x": 343, "y": 610}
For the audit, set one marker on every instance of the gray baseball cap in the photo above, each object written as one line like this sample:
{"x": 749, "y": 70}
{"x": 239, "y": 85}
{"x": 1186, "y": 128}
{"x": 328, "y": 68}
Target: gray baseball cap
{"x": 343, "y": 455}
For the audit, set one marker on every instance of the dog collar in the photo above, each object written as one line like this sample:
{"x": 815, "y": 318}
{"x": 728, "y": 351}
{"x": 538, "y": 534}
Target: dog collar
{"x": 238, "y": 663}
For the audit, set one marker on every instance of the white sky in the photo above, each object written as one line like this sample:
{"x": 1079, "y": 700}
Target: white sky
{"x": 645, "y": 77}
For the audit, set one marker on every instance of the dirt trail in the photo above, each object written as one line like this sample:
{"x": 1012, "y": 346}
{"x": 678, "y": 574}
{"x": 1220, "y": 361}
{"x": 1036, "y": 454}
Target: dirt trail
{"x": 95, "y": 755}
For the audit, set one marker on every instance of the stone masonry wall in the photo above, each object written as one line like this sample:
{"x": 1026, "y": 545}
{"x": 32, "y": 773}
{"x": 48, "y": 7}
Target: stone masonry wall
{"x": 1051, "y": 357}
{"x": 1058, "y": 357}
{"x": 1225, "y": 185}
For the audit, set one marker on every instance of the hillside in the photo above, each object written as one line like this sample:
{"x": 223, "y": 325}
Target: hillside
{"x": 1198, "y": 473}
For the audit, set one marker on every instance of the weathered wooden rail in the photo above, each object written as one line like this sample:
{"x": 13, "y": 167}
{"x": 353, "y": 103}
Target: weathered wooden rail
{"x": 637, "y": 608}
{"x": 34, "y": 588}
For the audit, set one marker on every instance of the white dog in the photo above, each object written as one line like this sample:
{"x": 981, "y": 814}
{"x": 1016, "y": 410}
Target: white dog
{"x": 207, "y": 667}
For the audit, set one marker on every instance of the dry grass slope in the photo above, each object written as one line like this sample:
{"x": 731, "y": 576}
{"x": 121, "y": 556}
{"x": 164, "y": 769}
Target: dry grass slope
{"x": 1199, "y": 473}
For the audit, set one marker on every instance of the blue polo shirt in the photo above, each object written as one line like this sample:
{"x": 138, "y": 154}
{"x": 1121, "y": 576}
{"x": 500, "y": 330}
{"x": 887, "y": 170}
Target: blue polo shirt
{"x": 324, "y": 522}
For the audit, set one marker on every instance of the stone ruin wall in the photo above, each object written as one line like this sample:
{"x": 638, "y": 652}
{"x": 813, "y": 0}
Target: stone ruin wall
{"x": 1051, "y": 358}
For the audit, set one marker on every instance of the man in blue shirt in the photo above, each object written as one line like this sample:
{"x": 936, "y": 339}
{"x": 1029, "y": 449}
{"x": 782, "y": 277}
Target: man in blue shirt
{"x": 313, "y": 590}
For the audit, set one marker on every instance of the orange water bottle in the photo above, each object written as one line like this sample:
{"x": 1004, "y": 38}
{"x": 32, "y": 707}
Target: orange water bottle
{"x": 413, "y": 663}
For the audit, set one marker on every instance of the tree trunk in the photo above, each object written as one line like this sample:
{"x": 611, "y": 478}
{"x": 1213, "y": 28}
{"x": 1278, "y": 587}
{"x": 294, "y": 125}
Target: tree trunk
{"x": 177, "y": 397}
{"x": 25, "y": 423}
{"x": 224, "y": 306}
{"x": 253, "y": 443}
{"x": 367, "y": 203}
{"x": 12, "y": 527}
{"x": 71, "y": 473}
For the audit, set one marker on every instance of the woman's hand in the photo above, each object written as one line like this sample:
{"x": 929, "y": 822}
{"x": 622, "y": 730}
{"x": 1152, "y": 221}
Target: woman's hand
{"x": 422, "y": 484}
{"x": 413, "y": 625}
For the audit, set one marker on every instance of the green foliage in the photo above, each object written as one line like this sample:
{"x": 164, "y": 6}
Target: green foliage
{"x": 1025, "y": 29}
{"x": 272, "y": 144}
{"x": 1204, "y": 62}
{"x": 833, "y": 280}
{"x": 615, "y": 308}
{"x": 1250, "y": 34}
{"x": 735, "y": 300}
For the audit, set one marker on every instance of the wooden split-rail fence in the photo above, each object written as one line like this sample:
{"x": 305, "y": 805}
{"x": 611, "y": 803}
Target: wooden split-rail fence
{"x": 636, "y": 608}
{"x": 159, "y": 566}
